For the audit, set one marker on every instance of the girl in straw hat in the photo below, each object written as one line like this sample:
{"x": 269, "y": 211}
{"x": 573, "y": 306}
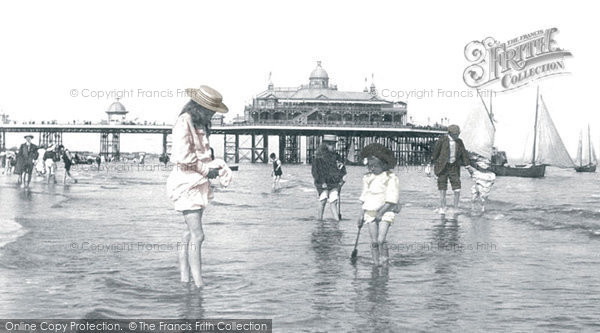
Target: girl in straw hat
{"x": 188, "y": 184}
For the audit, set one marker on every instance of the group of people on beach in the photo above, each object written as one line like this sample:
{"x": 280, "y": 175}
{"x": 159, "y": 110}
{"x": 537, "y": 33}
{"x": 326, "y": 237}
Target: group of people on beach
{"x": 30, "y": 157}
{"x": 189, "y": 188}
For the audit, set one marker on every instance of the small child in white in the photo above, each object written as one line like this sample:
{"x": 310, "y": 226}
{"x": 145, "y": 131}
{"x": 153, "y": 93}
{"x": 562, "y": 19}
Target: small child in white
{"x": 483, "y": 180}
{"x": 380, "y": 195}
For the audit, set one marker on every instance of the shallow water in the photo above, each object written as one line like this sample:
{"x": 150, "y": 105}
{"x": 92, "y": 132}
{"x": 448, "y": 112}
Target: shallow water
{"x": 107, "y": 248}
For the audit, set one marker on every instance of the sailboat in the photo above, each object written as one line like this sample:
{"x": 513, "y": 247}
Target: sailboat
{"x": 587, "y": 155}
{"x": 548, "y": 148}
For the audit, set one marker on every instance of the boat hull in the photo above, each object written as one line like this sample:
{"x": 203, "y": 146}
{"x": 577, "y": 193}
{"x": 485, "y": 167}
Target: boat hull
{"x": 533, "y": 171}
{"x": 586, "y": 168}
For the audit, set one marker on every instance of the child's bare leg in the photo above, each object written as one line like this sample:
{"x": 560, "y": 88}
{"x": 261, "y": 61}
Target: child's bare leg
{"x": 334, "y": 210}
{"x": 383, "y": 248}
{"x": 373, "y": 231}
{"x": 184, "y": 265}
{"x": 322, "y": 203}
{"x": 456, "y": 198}
{"x": 443, "y": 199}
{"x": 194, "y": 222}
{"x": 333, "y": 204}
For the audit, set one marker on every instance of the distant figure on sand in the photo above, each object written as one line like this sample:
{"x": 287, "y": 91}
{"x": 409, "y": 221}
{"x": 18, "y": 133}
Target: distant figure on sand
{"x": 164, "y": 158}
{"x": 25, "y": 160}
{"x": 380, "y": 196}
{"x": 3, "y": 161}
{"x": 98, "y": 162}
{"x": 277, "y": 172}
{"x": 448, "y": 155}
{"x": 328, "y": 171}
{"x": 483, "y": 180}
{"x": 188, "y": 184}
{"x": 68, "y": 159}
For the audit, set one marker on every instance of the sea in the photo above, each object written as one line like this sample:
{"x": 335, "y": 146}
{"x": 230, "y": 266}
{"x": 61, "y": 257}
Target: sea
{"x": 106, "y": 247}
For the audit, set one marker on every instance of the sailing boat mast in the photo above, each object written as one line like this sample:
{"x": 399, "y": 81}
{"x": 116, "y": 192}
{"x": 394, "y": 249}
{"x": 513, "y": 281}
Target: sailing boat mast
{"x": 489, "y": 112}
{"x": 580, "y": 149}
{"x": 537, "y": 101}
{"x": 589, "y": 147}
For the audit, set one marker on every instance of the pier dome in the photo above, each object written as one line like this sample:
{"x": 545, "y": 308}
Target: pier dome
{"x": 117, "y": 107}
{"x": 116, "y": 112}
{"x": 318, "y": 77}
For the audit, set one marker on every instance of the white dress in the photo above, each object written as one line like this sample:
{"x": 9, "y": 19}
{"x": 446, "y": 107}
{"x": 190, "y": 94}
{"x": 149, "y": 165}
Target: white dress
{"x": 188, "y": 186}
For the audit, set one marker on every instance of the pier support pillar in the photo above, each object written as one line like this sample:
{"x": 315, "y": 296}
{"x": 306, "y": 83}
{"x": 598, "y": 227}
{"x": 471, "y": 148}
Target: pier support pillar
{"x": 3, "y": 141}
{"x": 232, "y": 148}
{"x": 289, "y": 149}
{"x": 164, "y": 144}
{"x": 48, "y": 138}
{"x": 259, "y": 149}
{"x": 110, "y": 145}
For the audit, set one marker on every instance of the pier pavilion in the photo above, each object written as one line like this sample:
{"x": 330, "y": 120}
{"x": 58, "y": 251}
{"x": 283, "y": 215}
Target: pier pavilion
{"x": 321, "y": 103}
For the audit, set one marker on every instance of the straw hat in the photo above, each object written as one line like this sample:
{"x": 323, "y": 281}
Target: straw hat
{"x": 381, "y": 152}
{"x": 330, "y": 138}
{"x": 208, "y": 98}
{"x": 28, "y": 136}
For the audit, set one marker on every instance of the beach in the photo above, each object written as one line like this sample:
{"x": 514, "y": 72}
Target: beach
{"x": 107, "y": 248}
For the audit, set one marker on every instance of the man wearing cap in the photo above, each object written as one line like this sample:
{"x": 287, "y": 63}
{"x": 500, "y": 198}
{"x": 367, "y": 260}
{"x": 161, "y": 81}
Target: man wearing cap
{"x": 27, "y": 156}
{"x": 448, "y": 155}
{"x": 328, "y": 172}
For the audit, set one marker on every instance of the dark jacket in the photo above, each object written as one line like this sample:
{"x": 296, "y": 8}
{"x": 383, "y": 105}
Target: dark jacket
{"x": 441, "y": 154}
{"x": 327, "y": 168}
{"x": 27, "y": 156}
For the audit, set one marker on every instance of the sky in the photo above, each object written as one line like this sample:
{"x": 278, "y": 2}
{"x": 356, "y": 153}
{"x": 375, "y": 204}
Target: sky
{"x": 61, "y": 60}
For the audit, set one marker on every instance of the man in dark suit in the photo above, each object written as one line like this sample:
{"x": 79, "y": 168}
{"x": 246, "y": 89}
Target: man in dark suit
{"x": 28, "y": 154}
{"x": 448, "y": 155}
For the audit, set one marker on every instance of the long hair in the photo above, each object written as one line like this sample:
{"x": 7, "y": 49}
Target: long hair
{"x": 194, "y": 109}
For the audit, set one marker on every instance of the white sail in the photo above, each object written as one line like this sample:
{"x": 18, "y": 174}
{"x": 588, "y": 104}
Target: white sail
{"x": 589, "y": 155}
{"x": 351, "y": 152}
{"x": 478, "y": 133}
{"x": 550, "y": 148}
{"x": 579, "y": 160}
{"x": 586, "y": 154}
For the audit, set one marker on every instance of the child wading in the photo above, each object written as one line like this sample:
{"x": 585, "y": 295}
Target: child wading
{"x": 277, "y": 172}
{"x": 483, "y": 180}
{"x": 380, "y": 195}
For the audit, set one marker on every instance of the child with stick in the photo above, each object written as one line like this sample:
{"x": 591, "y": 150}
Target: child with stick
{"x": 380, "y": 195}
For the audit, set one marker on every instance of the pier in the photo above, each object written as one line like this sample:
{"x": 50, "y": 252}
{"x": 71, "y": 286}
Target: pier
{"x": 250, "y": 142}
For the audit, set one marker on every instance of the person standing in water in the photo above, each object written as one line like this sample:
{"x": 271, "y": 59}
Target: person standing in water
{"x": 380, "y": 196}
{"x": 483, "y": 180}
{"x": 50, "y": 158}
{"x": 188, "y": 185}
{"x": 328, "y": 172}
{"x": 277, "y": 172}
{"x": 68, "y": 159}
{"x": 26, "y": 159}
{"x": 448, "y": 155}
